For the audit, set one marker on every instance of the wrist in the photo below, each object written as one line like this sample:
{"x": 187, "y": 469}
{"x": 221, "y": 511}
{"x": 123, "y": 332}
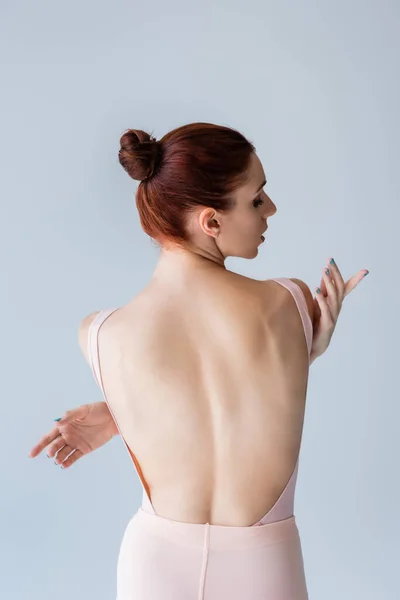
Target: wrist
{"x": 111, "y": 427}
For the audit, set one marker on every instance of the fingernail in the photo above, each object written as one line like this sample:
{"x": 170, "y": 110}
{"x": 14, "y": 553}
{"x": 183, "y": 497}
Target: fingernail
{"x": 366, "y": 273}
{"x": 59, "y": 419}
{"x": 318, "y": 291}
{"x": 326, "y": 271}
{"x": 332, "y": 262}
{"x": 48, "y": 456}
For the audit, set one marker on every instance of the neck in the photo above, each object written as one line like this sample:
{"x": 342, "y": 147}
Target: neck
{"x": 178, "y": 263}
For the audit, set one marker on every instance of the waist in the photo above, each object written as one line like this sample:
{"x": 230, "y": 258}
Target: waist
{"x": 220, "y": 537}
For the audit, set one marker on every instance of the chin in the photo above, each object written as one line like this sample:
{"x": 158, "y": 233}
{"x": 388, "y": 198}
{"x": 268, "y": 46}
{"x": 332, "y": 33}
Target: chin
{"x": 255, "y": 253}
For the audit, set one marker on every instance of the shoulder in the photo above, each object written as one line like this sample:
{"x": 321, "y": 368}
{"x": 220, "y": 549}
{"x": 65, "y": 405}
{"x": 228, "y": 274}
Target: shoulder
{"x": 307, "y": 294}
{"x": 83, "y": 333}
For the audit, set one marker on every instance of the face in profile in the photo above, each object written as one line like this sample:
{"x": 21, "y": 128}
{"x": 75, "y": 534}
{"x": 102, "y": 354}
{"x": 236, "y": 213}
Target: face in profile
{"x": 241, "y": 228}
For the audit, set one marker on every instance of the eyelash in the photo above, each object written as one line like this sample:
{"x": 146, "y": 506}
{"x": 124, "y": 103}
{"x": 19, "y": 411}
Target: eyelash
{"x": 258, "y": 202}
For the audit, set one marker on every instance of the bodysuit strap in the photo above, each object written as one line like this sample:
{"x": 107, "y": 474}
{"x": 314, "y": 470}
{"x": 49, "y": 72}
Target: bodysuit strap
{"x": 283, "y": 507}
{"x": 93, "y": 352}
{"x": 301, "y": 303}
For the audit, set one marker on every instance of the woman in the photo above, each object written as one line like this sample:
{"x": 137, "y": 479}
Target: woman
{"x": 205, "y": 376}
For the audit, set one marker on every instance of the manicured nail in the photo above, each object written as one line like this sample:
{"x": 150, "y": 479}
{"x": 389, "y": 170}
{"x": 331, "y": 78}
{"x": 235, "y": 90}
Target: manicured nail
{"x": 326, "y": 271}
{"x": 332, "y": 262}
{"x": 366, "y": 273}
{"x": 318, "y": 291}
{"x": 59, "y": 419}
{"x": 48, "y": 456}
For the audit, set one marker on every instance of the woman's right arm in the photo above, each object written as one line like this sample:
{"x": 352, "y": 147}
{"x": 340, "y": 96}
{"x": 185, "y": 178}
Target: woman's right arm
{"x": 327, "y": 304}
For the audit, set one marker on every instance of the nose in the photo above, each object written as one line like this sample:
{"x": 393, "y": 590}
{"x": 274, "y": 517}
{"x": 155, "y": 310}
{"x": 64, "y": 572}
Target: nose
{"x": 270, "y": 208}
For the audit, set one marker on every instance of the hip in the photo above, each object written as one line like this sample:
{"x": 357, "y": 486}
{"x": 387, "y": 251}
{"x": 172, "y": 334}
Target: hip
{"x": 162, "y": 559}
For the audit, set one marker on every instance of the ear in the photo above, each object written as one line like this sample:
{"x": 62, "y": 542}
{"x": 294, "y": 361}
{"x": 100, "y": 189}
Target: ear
{"x": 209, "y": 221}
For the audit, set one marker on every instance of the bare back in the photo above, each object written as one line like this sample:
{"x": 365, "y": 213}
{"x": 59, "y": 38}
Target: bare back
{"x": 208, "y": 386}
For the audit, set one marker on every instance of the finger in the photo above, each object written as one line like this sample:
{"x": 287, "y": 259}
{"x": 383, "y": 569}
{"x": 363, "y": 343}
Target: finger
{"x": 322, "y": 287}
{"x": 72, "y": 459}
{"x": 44, "y": 441}
{"x": 354, "y": 281}
{"x": 55, "y": 446}
{"x": 322, "y": 284}
{"x": 337, "y": 277}
{"x": 332, "y": 293}
{"x": 326, "y": 316}
{"x": 63, "y": 453}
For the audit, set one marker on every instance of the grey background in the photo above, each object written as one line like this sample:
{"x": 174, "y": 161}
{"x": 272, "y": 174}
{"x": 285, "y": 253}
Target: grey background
{"x": 315, "y": 86}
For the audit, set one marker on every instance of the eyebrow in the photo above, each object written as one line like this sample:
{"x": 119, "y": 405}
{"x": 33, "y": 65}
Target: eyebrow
{"x": 261, "y": 186}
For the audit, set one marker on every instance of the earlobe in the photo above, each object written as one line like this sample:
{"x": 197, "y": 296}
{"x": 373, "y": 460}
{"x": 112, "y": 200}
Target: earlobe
{"x": 216, "y": 232}
{"x": 209, "y": 223}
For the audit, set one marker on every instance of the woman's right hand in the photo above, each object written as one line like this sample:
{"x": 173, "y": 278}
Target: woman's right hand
{"x": 83, "y": 429}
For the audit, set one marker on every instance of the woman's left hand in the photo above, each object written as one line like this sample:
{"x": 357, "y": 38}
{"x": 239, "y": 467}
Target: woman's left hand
{"x": 328, "y": 302}
{"x": 81, "y": 430}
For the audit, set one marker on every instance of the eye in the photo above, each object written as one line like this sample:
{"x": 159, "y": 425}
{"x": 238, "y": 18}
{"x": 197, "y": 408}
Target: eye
{"x": 258, "y": 202}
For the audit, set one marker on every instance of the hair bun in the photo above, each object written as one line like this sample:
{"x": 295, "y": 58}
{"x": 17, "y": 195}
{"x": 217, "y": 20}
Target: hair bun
{"x": 139, "y": 154}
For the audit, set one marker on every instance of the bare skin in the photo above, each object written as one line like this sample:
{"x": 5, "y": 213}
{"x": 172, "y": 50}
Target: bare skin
{"x": 206, "y": 372}
{"x": 87, "y": 427}
{"x": 81, "y": 430}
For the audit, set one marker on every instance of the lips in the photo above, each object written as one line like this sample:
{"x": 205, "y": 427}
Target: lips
{"x": 262, "y": 237}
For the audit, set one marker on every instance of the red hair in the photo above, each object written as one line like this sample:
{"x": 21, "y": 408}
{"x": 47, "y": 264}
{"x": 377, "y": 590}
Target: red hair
{"x": 199, "y": 164}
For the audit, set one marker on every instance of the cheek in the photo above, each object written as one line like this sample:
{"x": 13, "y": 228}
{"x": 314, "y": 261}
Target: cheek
{"x": 250, "y": 229}
{"x": 244, "y": 228}
{"x": 253, "y": 223}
